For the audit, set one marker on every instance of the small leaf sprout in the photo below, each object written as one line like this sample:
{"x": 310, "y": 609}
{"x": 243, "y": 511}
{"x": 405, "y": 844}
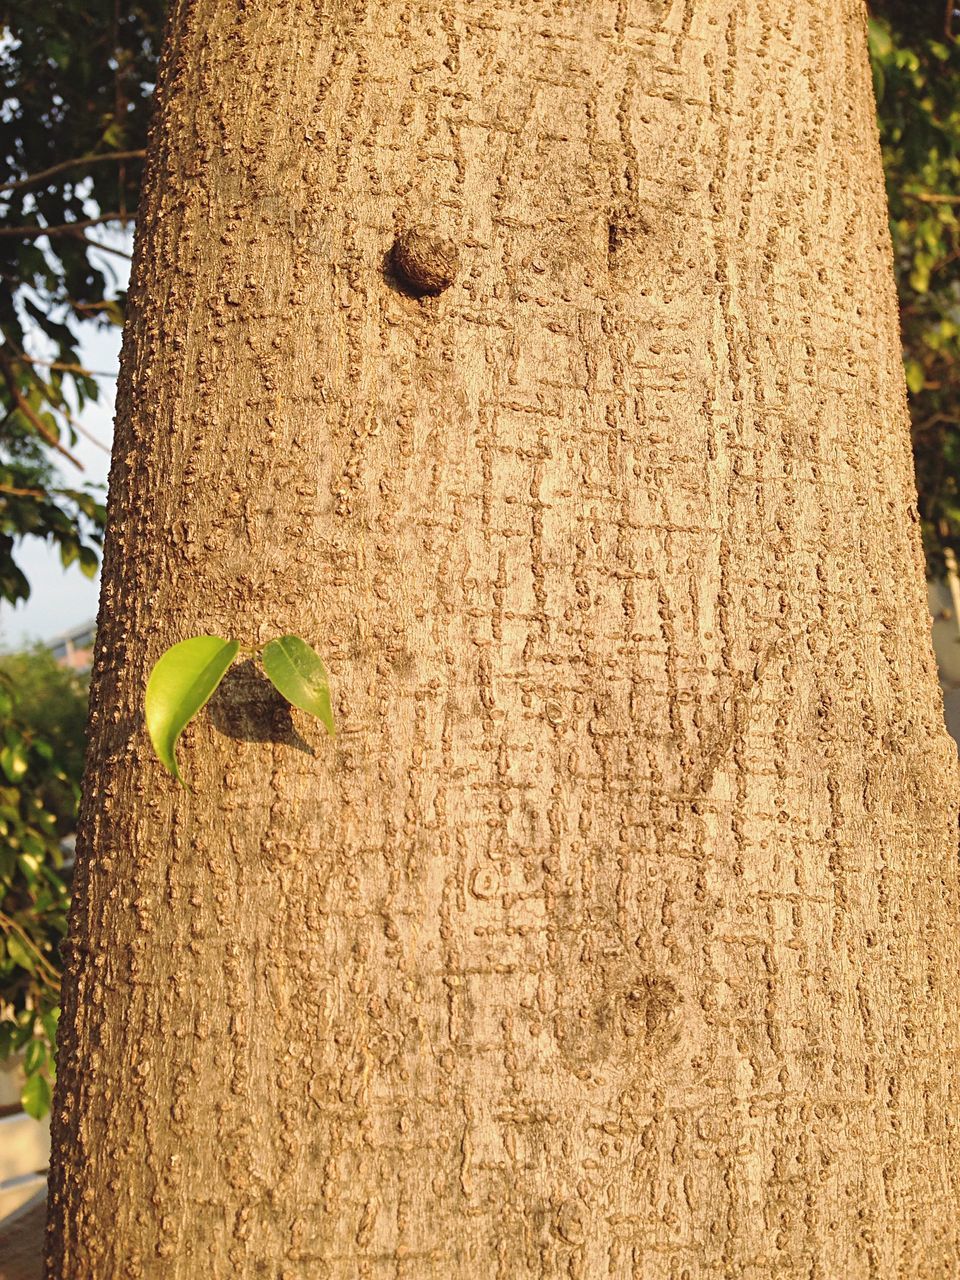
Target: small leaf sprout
{"x": 187, "y": 675}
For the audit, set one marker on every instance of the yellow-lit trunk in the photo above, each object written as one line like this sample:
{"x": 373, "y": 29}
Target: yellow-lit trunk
{"x": 616, "y": 933}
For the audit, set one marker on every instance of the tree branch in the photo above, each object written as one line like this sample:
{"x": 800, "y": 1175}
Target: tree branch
{"x": 8, "y": 923}
{"x": 80, "y": 428}
{"x": 23, "y": 493}
{"x": 54, "y": 169}
{"x": 65, "y": 228}
{"x": 929, "y": 197}
{"x": 6, "y": 369}
{"x": 106, "y": 248}
{"x": 59, "y": 407}
{"x": 66, "y": 368}
{"x": 89, "y": 308}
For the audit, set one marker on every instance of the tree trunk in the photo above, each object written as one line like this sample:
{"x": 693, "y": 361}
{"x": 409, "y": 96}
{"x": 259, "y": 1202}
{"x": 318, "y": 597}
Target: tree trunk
{"x": 615, "y": 934}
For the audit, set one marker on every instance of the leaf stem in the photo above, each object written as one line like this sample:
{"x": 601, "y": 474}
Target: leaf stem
{"x": 9, "y": 923}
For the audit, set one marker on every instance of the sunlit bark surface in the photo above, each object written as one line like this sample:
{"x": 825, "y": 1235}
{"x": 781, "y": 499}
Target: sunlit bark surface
{"x": 615, "y": 934}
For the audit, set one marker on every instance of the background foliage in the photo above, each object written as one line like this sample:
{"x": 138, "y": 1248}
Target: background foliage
{"x": 916, "y": 68}
{"x": 41, "y": 704}
{"x": 77, "y": 79}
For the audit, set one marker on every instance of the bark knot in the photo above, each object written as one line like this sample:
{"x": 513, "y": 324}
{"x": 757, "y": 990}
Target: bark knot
{"x": 425, "y": 261}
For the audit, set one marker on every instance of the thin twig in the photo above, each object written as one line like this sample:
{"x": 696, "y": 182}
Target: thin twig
{"x": 930, "y": 197}
{"x": 6, "y": 369}
{"x": 106, "y": 248}
{"x": 8, "y": 923}
{"x": 80, "y": 428}
{"x": 68, "y": 368}
{"x": 935, "y": 420}
{"x": 64, "y": 229}
{"x": 54, "y": 169}
{"x": 90, "y": 307}
{"x": 61, "y": 408}
{"x": 22, "y": 493}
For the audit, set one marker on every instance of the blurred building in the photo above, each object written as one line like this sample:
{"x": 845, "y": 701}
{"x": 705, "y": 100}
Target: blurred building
{"x": 75, "y": 648}
{"x": 943, "y": 595}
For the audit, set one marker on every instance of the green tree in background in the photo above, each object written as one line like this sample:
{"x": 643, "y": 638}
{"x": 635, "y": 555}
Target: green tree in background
{"x": 77, "y": 82}
{"x": 916, "y": 63}
{"x": 51, "y": 701}
{"x": 42, "y": 714}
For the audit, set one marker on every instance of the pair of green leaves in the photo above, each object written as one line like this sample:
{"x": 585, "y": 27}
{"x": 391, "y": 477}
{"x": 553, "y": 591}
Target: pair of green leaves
{"x": 187, "y": 675}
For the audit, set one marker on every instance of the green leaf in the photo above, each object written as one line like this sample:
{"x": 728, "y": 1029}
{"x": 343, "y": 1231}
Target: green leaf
{"x": 50, "y": 1021}
{"x": 878, "y": 38}
{"x": 30, "y": 864}
{"x": 297, "y": 672}
{"x": 879, "y": 81}
{"x": 34, "y": 1056}
{"x": 183, "y": 680}
{"x": 7, "y": 1032}
{"x": 914, "y": 372}
{"x": 35, "y": 1096}
{"x": 13, "y": 761}
{"x": 20, "y": 953}
{"x": 89, "y": 562}
{"x": 23, "y": 1030}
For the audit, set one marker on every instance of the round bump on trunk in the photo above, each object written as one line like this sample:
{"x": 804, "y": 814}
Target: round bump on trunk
{"x": 425, "y": 262}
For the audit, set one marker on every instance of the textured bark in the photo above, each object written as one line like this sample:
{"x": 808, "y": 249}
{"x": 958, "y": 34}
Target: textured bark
{"x": 615, "y": 935}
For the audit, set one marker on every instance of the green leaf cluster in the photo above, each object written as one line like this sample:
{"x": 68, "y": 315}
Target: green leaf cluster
{"x": 187, "y": 675}
{"x": 77, "y": 82}
{"x": 42, "y": 712}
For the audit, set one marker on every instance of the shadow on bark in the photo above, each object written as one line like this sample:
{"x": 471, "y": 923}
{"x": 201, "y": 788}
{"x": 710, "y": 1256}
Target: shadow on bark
{"x": 247, "y": 708}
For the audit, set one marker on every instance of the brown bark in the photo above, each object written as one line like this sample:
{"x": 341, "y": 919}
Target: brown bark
{"x": 616, "y": 933}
